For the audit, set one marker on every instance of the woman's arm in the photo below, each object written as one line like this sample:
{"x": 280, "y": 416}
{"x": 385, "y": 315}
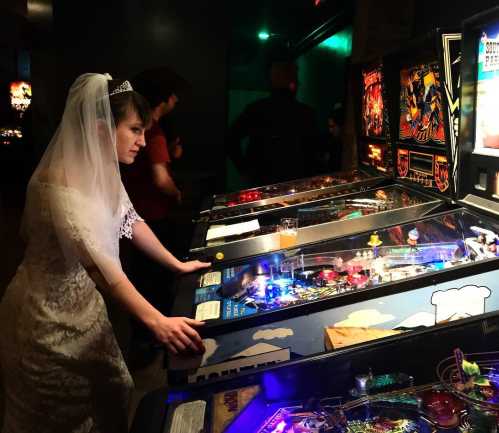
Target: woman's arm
{"x": 144, "y": 239}
{"x": 82, "y": 241}
{"x": 176, "y": 333}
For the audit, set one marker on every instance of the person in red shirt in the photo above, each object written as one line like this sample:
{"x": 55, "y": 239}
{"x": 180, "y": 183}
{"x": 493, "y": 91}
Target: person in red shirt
{"x": 149, "y": 183}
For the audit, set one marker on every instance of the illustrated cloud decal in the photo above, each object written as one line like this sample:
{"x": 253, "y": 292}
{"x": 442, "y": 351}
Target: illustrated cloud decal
{"x": 365, "y": 318}
{"x": 270, "y": 334}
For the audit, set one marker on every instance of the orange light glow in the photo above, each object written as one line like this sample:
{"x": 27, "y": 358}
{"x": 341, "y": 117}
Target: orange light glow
{"x": 375, "y": 153}
{"x": 20, "y": 95}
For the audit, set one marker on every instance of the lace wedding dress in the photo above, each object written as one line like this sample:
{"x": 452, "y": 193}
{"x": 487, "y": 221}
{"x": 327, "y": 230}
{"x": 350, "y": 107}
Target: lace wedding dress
{"x": 62, "y": 367}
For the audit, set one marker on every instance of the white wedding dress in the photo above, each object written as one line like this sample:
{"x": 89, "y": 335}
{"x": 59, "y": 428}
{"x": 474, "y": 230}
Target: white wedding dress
{"x": 62, "y": 367}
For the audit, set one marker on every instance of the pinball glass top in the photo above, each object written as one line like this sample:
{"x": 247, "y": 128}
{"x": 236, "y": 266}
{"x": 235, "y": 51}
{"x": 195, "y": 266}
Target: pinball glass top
{"x": 349, "y": 207}
{"x": 345, "y": 265}
{"x": 286, "y": 188}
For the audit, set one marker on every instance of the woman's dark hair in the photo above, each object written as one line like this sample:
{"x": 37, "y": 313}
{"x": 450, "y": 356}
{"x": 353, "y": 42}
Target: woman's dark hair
{"x": 121, "y": 104}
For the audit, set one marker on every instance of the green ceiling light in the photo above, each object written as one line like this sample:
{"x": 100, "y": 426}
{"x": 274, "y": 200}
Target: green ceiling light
{"x": 263, "y": 35}
{"x": 341, "y": 42}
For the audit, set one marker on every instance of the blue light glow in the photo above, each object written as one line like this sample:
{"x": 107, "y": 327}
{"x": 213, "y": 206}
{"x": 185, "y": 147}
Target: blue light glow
{"x": 250, "y": 418}
{"x": 439, "y": 265}
{"x": 177, "y": 396}
{"x": 276, "y": 387}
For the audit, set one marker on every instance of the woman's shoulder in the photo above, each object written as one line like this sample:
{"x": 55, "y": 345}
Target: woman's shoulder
{"x": 54, "y": 190}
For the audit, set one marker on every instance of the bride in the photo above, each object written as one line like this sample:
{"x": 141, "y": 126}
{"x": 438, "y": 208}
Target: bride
{"x": 62, "y": 368}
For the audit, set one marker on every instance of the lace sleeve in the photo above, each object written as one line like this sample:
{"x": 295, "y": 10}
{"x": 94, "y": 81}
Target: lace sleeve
{"x": 130, "y": 217}
{"x": 83, "y": 233}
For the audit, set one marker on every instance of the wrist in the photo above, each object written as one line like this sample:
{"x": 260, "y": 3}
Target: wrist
{"x": 177, "y": 266}
{"x": 152, "y": 319}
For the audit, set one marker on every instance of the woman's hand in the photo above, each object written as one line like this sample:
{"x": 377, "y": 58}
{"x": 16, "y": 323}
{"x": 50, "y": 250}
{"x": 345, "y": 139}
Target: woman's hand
{"x": 178, "y": 335}
{"x": 192, "y": 266}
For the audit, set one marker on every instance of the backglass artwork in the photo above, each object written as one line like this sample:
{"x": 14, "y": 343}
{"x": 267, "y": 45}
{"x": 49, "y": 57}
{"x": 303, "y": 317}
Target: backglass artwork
{"x": 421, "y": 112}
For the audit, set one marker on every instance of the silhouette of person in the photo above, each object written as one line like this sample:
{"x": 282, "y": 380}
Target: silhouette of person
{"x": 280, "y": 130}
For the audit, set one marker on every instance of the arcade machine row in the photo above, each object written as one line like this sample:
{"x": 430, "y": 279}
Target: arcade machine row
{"x": 403, "y": 384}
{"x": 291, "y": 282}
{"x": 331, "y": 217}
{"x": 295, "y": 303}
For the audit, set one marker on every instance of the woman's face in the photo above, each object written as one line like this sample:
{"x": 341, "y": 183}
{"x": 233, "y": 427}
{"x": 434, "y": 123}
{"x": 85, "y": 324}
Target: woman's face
{"x": 129, "y": 137}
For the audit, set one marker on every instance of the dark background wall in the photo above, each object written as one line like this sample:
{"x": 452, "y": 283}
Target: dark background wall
{"x": 322, "y": 76}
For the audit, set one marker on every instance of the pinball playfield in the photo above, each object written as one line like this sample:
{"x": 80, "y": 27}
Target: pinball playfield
{"x": 366, "y": 262}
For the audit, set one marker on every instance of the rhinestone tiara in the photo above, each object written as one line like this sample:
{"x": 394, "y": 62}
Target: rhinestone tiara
{"x": 123, "y": 87}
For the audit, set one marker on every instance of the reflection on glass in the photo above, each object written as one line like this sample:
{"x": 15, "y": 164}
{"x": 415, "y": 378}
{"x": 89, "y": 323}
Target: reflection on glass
{"x": 354, "y": 206}
{"x": 364, "y": 261}
{"x": 287, "y": 188}
{"x": 496, "y": 185}
{"x": 482, "y": 181}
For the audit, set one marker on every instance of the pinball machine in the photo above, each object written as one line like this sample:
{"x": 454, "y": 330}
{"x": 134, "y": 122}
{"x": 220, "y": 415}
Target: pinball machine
{"x": 402, "y": 384}
{"x": 297, "y": 303}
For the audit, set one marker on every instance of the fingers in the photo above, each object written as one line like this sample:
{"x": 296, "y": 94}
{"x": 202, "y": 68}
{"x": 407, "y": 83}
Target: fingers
{"x": 171, "y": 348}
{"x": 177, "y": 344}
{"x": 194, "y": 337}
{"x": 178, "y": 336}
{"x": 192, "y": 322}
{"x": 183, "y": 340}
{"x": 182, "y": 343}
{"x": 193, "y": 265}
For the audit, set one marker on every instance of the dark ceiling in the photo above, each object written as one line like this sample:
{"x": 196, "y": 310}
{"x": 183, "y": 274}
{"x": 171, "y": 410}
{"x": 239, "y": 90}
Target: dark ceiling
{"x": 291, "y": 19}
{"x": 291, "y": 22}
